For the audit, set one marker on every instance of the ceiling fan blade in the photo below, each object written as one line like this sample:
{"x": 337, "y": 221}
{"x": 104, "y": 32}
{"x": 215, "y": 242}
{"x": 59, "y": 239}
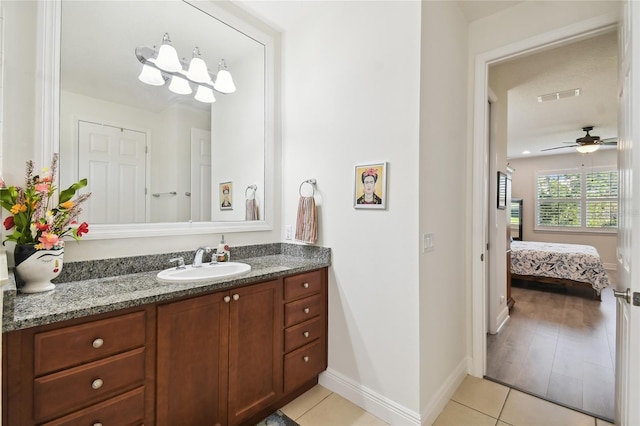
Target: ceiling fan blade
{"x": 558, "y": 147}
{"x": 609, "y": 141}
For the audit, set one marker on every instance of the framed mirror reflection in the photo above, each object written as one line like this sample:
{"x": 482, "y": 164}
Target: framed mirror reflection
{"x": 153, "y": 155}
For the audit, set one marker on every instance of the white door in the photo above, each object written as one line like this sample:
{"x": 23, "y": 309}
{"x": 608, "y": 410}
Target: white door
{"x": 113, "y": 160}
{"x": 628, "y": 327}
{"x": 200, "y": 175}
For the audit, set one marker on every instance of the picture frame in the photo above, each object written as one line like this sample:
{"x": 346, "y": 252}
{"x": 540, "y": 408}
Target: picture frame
{"x": 226, "y": 194}
{"x": 502, "y": 191}
{"x": 370, "y": 186}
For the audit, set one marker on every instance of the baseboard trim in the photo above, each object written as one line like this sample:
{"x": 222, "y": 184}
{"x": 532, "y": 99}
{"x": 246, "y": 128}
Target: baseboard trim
{"x": 374, "y": 403}
{"x": 611, "y": 266}
{"x": 433, "y": 409}
{"x": 503, "y": 317}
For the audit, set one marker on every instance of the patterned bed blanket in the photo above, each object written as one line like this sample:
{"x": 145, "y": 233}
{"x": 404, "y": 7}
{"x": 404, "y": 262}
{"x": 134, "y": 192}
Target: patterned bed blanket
{"x": 565, "y": 261}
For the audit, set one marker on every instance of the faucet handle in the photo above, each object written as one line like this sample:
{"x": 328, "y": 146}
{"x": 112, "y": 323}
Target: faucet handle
{"x": 180, "y": 261}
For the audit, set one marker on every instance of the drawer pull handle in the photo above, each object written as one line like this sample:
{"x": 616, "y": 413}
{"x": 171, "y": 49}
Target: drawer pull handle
{"x": 305, "y": 358}
{"x": 305, "y": 285}
{"x": 97, "y": 384}
{"x": 306, "y": 310}
{"x": 227, "y": 299}
{"x": 236, "y": 296}
{"x": 305, "y": 334}
{"x": 97, "y": 343}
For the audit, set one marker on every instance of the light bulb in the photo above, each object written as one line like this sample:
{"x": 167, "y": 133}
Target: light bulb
{"x": 180, "y": 86}
{"x": 151, "y": 75}
{"x": 205, "y": 94}
{"x": 197, "y": 68}
{"x": 224, "y": 82}
{"x": 167, "y": 56}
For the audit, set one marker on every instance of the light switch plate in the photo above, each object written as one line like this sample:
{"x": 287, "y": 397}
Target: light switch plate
{"x": 428, "y": 242}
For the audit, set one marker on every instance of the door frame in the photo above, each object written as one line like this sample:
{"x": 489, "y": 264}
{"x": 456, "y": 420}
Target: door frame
{"x": 480, "y": 174}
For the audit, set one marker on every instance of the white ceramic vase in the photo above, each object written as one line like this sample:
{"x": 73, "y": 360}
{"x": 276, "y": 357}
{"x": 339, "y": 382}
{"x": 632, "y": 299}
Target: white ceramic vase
{"x": 36, "y": 268}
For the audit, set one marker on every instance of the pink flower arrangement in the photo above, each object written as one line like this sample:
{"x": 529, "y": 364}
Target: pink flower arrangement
{"x": 36, "y": 219}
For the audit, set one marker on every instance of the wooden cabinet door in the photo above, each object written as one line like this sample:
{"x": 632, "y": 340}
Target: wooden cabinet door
{"x": 255, "y": 349}
{"x": 192, "y": 350}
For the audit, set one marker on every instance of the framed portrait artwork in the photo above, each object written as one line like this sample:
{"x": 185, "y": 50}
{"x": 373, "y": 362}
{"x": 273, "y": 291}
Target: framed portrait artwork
{"x": 370, "y": 186}
{"x": 226, "y": 202}
{"x": 502, "y": 191}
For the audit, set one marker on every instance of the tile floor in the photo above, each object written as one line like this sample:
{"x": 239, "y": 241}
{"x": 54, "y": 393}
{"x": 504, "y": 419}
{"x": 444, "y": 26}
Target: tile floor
{"x": 564, "y": 352}
{"x": 476, "y": 402}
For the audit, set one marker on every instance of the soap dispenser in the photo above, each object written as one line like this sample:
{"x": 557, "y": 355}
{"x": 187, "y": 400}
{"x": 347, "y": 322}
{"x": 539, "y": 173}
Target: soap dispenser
{"x": 222, "y": 254}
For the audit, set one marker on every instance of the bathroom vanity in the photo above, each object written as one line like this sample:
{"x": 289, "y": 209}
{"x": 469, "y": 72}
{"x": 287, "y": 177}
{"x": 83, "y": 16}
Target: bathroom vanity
{"x": 134, "y": 351}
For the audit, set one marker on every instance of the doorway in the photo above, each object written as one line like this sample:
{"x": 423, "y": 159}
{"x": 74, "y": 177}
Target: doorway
{"x": 481, "y": 173}
{"x": 559, "y": 344}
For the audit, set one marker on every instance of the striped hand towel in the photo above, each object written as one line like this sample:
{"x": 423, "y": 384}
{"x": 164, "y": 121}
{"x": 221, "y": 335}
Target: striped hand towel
{"x": 251, "y": 209}
{"x": 307, "y": 224}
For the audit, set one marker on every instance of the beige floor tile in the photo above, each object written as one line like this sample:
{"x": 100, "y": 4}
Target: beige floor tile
{"x": 337, "y": 411}
{"x": 522, "y": 409}
{"x": 305, "y": 402}
{"x": 501, "y": 423}
{"x": 456, "y": 414}
{"x": 481, "y": 395}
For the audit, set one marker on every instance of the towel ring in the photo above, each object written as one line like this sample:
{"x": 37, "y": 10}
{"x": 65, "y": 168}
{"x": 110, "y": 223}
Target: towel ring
{"x": 311, "y": 182}
{"x": 253, "y": 192}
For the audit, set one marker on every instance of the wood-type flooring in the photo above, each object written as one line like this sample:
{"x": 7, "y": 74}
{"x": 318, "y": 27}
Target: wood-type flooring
{"x": 559, "y": 344}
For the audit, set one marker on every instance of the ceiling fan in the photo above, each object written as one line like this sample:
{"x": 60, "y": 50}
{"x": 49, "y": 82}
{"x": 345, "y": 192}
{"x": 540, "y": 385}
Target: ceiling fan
{"x": 587, "y": 143}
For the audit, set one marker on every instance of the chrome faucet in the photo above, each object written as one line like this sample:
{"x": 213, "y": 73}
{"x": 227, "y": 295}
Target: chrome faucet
{"x": 197, "y": 258}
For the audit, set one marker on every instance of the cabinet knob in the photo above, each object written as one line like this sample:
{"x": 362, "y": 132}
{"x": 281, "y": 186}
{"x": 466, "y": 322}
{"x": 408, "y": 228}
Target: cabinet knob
{"x": 305, "y": 285}
{"x": 236, "y": 296}
{"x": 305, "y": 358}
{"x": 97, "y": 424}
{"x": 226, "y": 299}
{"x": 97, "y": 343}
{"x": 305, "y": 334}
{"x": 306, "y": 310}
{"x": 97, "y": 384}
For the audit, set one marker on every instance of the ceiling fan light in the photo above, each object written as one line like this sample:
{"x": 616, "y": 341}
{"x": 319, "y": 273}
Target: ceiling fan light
{"x": 205, "y": 94}
{"x": 151, "y": 75}
{"x": 180, "y": 86}
{"x": 586, "y": 149}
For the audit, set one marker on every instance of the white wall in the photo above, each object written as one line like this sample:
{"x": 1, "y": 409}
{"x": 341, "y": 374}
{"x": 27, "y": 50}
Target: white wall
{"x": 443, "y": 311}
{"x": 524, "y": 187}
{"x": 351, "y": 86}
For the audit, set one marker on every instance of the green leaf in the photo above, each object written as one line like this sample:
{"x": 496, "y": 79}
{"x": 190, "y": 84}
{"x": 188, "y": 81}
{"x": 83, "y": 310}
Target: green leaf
{"x": 68, "y": 193}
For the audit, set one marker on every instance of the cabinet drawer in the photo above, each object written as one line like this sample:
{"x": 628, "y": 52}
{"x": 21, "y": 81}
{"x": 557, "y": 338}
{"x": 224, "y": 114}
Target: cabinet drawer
{"x": 301, "y": 334}
{"x": 302, "y": 310}
{"x": 126, "y": 409}
{"x": 302, "y": 365}
{"x": 70, "y": 346}
{"x": 68, "y": 390}
{"x": 302, "y": 285}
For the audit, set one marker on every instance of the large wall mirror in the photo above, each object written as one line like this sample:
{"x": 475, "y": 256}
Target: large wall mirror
{"x": 159, "y": 162}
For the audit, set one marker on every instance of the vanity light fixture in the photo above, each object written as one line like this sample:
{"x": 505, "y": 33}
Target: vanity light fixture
{"x": 162, "y": 65}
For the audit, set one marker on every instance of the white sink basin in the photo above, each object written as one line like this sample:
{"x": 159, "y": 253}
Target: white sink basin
{"x": 207, "y": 271}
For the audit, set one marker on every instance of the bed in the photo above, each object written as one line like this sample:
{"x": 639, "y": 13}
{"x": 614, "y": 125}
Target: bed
{"x": 565, "y": 264}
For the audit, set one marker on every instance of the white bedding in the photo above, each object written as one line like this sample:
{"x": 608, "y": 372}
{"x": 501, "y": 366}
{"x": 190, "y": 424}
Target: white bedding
{"x": 565, "y": 261}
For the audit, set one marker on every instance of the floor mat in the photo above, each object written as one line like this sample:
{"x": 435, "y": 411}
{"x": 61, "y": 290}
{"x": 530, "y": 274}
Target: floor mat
{"x": 277, "y": 419}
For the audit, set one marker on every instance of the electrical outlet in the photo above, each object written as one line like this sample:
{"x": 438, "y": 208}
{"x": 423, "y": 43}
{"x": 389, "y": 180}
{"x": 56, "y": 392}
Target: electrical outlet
{"x": 288, "y": 232}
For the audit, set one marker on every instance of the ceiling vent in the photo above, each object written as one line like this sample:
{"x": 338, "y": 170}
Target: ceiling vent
{"x": 559, "y": 95}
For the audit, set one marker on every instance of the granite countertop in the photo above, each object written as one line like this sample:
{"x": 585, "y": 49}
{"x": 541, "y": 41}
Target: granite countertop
{"x": 89, "y": 296}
